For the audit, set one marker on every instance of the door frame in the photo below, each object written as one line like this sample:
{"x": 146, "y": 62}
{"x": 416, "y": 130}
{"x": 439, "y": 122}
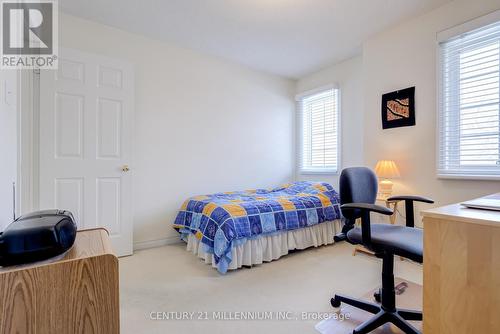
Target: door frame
{"x": 27, "y": 185}
{"x": 17, "y": 181}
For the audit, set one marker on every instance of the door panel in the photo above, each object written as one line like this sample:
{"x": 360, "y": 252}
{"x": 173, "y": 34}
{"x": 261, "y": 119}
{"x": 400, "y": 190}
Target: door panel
{"x": 69, "y": 126}
{"x": 108, "y": 204}
{"x": 109, "y": 126}
{"x": 70, "y": 70}
{"x": 69, "y": 195}
{"x": 86, "y": 114}
{"x": 110, "y": 77}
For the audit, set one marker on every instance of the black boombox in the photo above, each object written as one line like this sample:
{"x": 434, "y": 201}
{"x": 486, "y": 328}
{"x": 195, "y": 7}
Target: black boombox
{"x": 37, "y": 236}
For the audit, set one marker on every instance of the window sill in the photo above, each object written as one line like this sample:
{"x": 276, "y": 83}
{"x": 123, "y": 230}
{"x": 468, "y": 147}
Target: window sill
{"x": 318, "y": 172}
{"x": 469, "y": 177}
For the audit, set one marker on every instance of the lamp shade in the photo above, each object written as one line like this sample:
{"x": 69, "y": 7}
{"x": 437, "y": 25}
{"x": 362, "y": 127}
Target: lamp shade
{"x": 387, "y": 169}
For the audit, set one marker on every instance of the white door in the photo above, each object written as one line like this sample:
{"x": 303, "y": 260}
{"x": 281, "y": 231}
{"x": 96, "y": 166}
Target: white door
{"x": 86, "y": 115}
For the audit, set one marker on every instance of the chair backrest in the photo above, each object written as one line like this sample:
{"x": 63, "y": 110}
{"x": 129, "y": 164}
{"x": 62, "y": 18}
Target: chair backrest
{"x": 357, "y": 185}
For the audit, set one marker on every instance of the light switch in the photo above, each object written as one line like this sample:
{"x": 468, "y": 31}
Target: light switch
{"x": 9, "y": 93}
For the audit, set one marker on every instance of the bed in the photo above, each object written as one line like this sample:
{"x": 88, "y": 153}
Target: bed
{"x": 243, "y": 228}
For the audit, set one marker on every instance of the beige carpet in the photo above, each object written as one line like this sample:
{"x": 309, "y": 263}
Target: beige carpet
{"x": 169, "y": 280}
{"x": 409, "y": 297}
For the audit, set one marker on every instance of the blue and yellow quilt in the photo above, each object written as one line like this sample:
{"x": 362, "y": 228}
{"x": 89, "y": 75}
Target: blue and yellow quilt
{"x": 224, "y": 220}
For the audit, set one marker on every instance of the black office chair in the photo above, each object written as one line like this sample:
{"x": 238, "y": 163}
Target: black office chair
{"x": 358, "y": 191}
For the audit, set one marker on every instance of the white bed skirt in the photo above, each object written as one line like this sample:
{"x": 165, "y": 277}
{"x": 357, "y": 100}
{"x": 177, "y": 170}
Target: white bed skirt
{"x": 269, "y": 248}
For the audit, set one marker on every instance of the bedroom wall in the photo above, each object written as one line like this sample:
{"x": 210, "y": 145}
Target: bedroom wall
{"x": 202, "y": 124}
{"x": 8, "y": 144}
{"x": 405, "y": 56}
{"x": 348, "y": 75}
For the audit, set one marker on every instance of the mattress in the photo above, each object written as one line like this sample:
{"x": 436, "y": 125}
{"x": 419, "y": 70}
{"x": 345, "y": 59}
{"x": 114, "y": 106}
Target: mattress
{"x": 227, "y": 220}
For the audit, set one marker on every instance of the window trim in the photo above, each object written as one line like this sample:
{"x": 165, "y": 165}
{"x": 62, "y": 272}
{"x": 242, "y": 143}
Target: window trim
{"x": 443, "y": 36}
{"x": 463, "y": 176}
{"x": 299, "y": 143}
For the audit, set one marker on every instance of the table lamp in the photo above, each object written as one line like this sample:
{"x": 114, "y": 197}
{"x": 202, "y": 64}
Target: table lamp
{"x": 386, "y": 170}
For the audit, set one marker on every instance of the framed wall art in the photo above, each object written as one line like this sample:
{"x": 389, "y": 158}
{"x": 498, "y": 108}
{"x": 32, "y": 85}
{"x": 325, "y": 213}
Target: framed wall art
{"x": 398, "y": 108}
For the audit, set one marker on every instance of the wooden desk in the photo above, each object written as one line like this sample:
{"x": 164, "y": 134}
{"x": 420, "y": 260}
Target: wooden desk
{"x": 77, "y": 293}
{"x": 461, "y": 270}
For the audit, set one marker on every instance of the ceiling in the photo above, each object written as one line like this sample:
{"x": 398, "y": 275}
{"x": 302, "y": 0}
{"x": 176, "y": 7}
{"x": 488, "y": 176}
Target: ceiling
{"x": 290, "y": 38}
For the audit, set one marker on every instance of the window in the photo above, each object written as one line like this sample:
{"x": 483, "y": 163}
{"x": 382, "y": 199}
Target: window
{"x": 469, "y": 113}
{"x": 319, "y": 139}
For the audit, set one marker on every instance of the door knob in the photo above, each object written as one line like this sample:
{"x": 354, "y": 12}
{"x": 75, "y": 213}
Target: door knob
{"x": 125, "y": 168}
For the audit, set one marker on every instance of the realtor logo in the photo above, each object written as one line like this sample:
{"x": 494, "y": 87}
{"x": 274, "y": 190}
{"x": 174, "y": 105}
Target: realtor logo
{"x": 29, "y": 34}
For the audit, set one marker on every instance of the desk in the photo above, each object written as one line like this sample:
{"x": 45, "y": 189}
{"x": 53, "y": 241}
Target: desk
{"x": 461, "y": 270}
{"x": 76, "y": 293}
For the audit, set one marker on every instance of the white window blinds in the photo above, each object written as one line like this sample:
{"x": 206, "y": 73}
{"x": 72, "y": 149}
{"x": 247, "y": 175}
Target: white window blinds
{"x": 319, "y": 144}
{"x": 469, "y": 122}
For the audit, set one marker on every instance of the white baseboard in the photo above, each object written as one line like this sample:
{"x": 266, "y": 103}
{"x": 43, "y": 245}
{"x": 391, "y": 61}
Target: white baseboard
{"x": 156, "y": 243}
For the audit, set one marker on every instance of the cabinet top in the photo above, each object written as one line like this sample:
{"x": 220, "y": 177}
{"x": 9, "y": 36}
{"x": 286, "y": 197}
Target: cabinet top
{"x": 457, "y": 212}
{"x": 88, "y": 243}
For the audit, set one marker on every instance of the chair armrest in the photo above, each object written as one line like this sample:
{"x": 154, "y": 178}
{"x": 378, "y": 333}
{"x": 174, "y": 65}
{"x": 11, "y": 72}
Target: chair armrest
{"x": 410, "y": 198}
{"x": 410, "y": 219}
{"x": 367, "y": 207}
{"x": 365, "y": 210}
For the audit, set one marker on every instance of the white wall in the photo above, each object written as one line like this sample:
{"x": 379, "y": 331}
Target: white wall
{"x": 348, "y": 75}
{"x": 202, "y": 125}
{"x": 8, "y": 143}
{"x": 206, "y": 125}
{"x": 402, "y": 57}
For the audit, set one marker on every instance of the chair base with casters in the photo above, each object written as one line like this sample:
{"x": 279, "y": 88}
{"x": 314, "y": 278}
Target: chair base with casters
{"x": 358, "y": 188}
{"x": 387, "y": 312}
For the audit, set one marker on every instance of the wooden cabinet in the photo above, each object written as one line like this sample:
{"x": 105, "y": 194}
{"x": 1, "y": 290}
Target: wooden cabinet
{"x": 461, "y": 271}
{"x": 76, "y": 293}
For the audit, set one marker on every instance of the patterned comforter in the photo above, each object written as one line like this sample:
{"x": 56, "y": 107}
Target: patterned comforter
{"x": 224, "y": 220}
